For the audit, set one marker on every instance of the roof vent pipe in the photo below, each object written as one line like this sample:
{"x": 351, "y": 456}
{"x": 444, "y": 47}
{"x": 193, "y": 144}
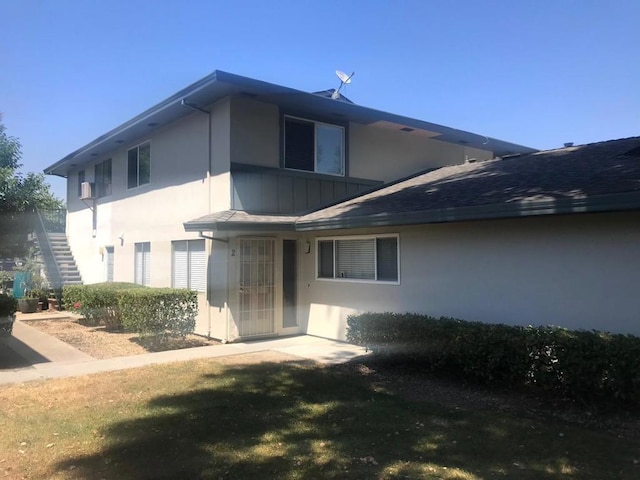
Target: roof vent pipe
{"x": 568, "y": 144}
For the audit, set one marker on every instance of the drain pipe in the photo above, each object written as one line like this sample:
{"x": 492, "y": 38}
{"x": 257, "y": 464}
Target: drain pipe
{"x": 195, "y": 108}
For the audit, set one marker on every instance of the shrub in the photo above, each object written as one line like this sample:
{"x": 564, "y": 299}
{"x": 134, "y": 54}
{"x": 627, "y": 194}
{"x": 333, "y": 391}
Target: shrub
{"x": 583, "y": 366}
{"x": 8, "y": 306}
{"x": 159, "y": 311}
{"x": 133, "y": 307}
{"x": 97, "y": 303}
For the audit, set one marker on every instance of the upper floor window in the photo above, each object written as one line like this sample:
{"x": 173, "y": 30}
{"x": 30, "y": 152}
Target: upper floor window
{"x": 103, "y": 178}
{"x": 360, "y": 258}
{"x": 81, "y": 180}
{"x": 313, "y": 146}
{"x": 139, "y": 165}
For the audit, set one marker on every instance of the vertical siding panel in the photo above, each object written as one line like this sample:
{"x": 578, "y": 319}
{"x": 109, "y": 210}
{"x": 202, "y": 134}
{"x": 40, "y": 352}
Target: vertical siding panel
{"x": 313, "y": 193}
{"x": 326, "y": 191}
{"x": 239, "y": 189}
{"x": 270, "y": 192}
{"x": 339, "y": 190}
{"x": 299, "y": 194}
{"x": 285, "y": 194}
{"x": 352, "y": 188}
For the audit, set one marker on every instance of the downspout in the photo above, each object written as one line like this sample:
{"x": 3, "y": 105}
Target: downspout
{"x": 190, "y": 106}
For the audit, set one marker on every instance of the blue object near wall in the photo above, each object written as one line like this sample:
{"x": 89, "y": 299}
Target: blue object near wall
{"x": 20, "y": 282}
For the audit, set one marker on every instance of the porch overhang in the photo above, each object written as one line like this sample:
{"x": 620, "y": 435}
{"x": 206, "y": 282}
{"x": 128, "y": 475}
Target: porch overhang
{"x": 242, "y": 222}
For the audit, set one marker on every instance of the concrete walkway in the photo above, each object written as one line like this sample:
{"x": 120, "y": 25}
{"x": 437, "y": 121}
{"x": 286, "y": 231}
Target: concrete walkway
{"x": 51, "y": 358}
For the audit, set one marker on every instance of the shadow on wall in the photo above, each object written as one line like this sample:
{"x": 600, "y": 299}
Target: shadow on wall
{"x": 557, "y": 176}
{"x": 167, "y": 180}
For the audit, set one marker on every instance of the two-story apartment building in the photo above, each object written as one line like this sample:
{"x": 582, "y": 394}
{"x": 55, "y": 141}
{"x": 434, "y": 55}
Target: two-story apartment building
{"x": 285, "y": 211}
{"x": 245, "y": 150}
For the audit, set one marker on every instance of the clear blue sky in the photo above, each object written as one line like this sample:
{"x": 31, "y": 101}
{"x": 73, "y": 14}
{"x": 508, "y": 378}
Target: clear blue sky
{"x": 535, "y": 72}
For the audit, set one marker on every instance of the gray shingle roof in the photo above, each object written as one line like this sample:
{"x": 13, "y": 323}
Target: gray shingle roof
{"x": 234, "y": 220}
{"x": 600, "y": 176}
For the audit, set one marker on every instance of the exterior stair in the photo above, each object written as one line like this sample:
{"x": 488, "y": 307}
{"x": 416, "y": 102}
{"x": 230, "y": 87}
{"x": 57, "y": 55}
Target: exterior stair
{"x": 59, "y": 265}
{"x": 63, "y": 257}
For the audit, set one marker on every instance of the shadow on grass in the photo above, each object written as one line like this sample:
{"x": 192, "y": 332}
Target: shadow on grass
{"x": 289, "y": 420}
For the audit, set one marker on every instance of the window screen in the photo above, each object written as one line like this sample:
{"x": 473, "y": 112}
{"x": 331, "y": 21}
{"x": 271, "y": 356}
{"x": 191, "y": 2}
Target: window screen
{"x": 387, "y": 258}
{"x": 355, "y": 259}
{"x": 313, "y": 146}
{"x": 139, "y": 165}
{"x": 325, "y": 259}
{"x": 366, "y": 258}
{"x": 189, "y": 265}
{"x": 142, "y": 274}
{"x": 299, "y": 144}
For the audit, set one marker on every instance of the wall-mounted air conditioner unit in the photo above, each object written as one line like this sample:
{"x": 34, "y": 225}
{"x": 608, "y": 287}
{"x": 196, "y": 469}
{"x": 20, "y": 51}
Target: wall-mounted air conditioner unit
{"x": 86, "y": 191}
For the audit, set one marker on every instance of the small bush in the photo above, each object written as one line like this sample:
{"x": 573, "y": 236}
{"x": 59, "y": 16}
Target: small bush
{"x": 135, "y": 308}
{"x": 583, "y": 366}
{"x": 97, "y": 303}
{"x": 159, "y": 311}
{"x": 8, "y": 307}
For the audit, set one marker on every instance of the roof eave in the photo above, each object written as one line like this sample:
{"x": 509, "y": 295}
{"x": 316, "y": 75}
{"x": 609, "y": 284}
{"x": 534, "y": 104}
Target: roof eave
{"x": 275, "y": 94}
{"x": 244, "y": 227}
{"x": 563, "y": 206}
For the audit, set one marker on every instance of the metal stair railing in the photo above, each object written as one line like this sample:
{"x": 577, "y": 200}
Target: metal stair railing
{"x": 47, "y": 251}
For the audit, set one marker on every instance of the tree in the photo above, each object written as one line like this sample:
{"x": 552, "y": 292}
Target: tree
{"x": 20, "y": 195}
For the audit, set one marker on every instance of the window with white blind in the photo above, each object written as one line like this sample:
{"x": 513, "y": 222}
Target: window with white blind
{"x": 142, "y": 270}
{"x": 189, "y": 265}
{"x": 363, "y": 258}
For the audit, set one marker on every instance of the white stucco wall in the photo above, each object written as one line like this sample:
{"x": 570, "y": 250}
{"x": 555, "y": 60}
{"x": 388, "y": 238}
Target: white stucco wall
{"x": 255, "y": 130}
{"x": 374, "y": 153}
{"x": 178, "y": 191}
{"x": 571, "y": 271}
{"x": 387, "y": 155}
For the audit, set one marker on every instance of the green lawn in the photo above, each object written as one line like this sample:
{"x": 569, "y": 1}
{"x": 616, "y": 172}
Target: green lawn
{"x": 212, "y": 420}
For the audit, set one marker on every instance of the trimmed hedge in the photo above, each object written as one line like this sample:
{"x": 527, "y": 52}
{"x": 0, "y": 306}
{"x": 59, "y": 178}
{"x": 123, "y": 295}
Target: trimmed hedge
{"x": 587, "y": 366}
{"x": 97, "y": 303}
{"x": 159, "y": 311}
{"x": 135, "y": 308}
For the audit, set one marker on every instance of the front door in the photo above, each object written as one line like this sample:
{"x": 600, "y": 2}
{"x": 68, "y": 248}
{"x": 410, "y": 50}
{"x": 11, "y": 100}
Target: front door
{"x": 257, "y": 286}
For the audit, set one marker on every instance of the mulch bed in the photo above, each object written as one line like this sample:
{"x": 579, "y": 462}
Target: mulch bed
{"x": 100, "y": 343}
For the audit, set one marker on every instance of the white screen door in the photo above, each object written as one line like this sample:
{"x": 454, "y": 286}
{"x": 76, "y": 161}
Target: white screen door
{"x": 256, "y": 290}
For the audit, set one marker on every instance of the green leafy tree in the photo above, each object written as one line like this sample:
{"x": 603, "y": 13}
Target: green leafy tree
{"x": 20, "y": 194}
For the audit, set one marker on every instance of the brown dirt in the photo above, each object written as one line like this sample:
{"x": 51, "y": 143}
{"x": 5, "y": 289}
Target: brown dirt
{"x": 99, "y": 343}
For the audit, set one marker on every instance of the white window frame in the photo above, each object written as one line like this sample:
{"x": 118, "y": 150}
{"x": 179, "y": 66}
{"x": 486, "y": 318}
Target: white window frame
{"x": 315, "y": 145}
{"x": 144, "y": 263}
{"x": 137, "y": 148}
{"x": 358, "y": 237}
{"x": 173, "y": 266}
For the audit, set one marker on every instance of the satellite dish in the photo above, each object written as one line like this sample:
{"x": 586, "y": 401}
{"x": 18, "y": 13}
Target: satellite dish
{"x": 344, "y": 80}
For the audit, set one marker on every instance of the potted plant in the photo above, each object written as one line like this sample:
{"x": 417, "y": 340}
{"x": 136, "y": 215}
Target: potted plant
{"x": 28, "y": 304}
{"x": 41, "y": 295}
{"x": 7, "y": 314}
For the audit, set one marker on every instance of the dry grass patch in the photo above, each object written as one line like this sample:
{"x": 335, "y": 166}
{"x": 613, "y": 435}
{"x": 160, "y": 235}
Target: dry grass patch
{"x": 239, "y": 417}
{"x": 100, "y": 343}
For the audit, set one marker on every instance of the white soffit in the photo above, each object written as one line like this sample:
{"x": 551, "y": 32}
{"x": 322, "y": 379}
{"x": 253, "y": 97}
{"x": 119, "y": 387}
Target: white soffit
{"x": 398, "y": 127}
